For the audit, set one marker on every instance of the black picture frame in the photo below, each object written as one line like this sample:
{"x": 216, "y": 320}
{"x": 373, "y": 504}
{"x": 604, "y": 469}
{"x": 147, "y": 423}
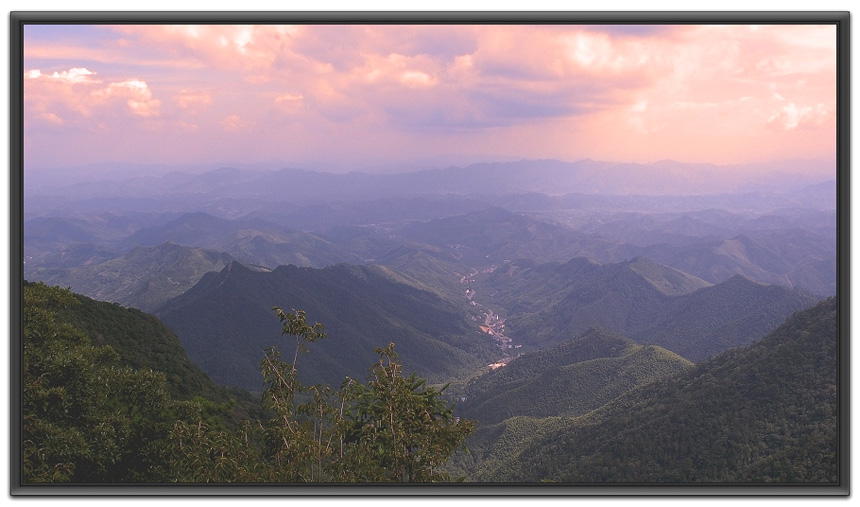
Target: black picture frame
{"x": 17, "y": 22}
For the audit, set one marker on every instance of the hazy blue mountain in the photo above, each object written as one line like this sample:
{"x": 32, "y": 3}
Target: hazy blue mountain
{"x": 196, "y": 229}
{"x": 252, "y": 240}
{"x": 790, "y": 257}
{"x": 226, "y": 321}
{"x": 64, "y": 257}
{"x": 143, "y": 278}
{"x": 650, "y": 303}
{"x": 494, "y": 235}
{"x": 66, "y": 240}
{"x": 551, "y": 177}
{"x": 382, "y": 211}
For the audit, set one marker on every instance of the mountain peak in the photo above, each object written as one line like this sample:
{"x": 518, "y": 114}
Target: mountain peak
{"x": 669, "y": 281}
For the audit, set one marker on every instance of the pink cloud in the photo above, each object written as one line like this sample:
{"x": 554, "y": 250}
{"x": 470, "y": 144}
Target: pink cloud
{"x": 242, "y": 47}
{"x": 193, "y": 101}
{"x": 233, "y": 123}
{"x": 76, "y": 94}
{"x": 135, "y": 93}
{"x": 77, "y": 75}
{"x": 792, "y": 117}
{"x": 629, "y": 93}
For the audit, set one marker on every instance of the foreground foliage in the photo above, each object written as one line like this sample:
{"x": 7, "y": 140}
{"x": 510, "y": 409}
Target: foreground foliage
{"x": 89, "y": 419}
{"x": 86, "y": 419}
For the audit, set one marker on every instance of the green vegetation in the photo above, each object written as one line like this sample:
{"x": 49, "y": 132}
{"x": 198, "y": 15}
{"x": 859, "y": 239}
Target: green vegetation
{"x": 89, "y": 419}
{"x": 85, "y": 418}
{"x": 570, "y": 379}
{"x": 762, "y": 414}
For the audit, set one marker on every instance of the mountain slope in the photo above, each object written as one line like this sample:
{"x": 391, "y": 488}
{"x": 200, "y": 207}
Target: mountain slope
{"x": 251, "y": 240}
{"x": 651, "y": 304}
{"x": 427, "y": 265}
{"x": 493, "y": 235}
{"x": 729, "y": 314}
{"x": 802, "y": 257}
{"x": 225, "y": 322}
{"x": 145, "y": 343}
{"x": 766, "y": 413}
{"x": 143, "y": 278}
{"x": 571, "y": 379}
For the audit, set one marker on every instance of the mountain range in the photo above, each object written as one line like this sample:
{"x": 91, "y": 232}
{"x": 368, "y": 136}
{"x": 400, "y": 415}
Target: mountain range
{"x": 143, "y": 278}
{"x": 601, "y": 322}
{"x": 226, "y": 322}
{"x": 551, "y": 177}
{"x": 652, "y": 304}
{"x": 755, "y": 415}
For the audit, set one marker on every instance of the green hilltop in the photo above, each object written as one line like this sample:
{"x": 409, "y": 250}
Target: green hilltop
{"x": 760, "y": 414}
{"x": 569, "y": 379}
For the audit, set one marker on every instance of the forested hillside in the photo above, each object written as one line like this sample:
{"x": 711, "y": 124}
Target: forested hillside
{"x": 143, "y": 342}
{"x": 761, "y": 414}
{"x": 569, "y": 379}
{"x": 225, "y": 323}
{"x": 650, "y": 303}
{"x": 90, "y": 418}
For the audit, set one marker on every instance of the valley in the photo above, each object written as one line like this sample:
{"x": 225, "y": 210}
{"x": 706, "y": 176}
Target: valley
{"x": 554, "y": 314}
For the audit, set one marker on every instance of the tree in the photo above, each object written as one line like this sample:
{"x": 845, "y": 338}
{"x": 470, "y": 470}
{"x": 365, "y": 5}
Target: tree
{"x": 85, "y": 419}
{"x": 404, "y": 428}
{"x": 393, "y": 428}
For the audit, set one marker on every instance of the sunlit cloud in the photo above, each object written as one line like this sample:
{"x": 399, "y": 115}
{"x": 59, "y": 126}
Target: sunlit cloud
{"x": 73, "y": 76}
{"x": 627, "y": 93}
{"x": 58, "y": 96}
{"x": 136, "y": 93}
{"x": 791, "y": 117}
{"x": 233, "y": 123}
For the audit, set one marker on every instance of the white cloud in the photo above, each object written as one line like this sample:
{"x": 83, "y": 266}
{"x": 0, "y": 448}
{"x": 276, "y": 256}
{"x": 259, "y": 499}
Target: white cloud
{"x": 75, "y": 75}
{"x": 792, "y": 116}
{"x": 416, "y": 79}
{"x": 137, "y": 94}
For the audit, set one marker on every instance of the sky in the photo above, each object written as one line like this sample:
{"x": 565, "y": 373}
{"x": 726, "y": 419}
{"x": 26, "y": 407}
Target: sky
{"x": 350, "y": 97}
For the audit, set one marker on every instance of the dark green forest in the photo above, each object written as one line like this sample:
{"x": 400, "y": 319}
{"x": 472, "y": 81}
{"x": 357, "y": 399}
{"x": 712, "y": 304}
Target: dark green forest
{"x": 109, "y": 396}
{"x": 761, "y": 414}
{"x": 91, "y": 414}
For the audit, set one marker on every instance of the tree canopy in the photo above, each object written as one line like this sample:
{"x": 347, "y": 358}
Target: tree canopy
{"x": 88, "y": 419}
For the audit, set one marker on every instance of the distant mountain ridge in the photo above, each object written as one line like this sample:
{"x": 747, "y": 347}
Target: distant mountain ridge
{"x": 144, "y": 278}
{"x": 495, "y": 234}
{"x": 651, "y": 304}
{"x": 225, "y": 322}
{"x": 551, "y": 177}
